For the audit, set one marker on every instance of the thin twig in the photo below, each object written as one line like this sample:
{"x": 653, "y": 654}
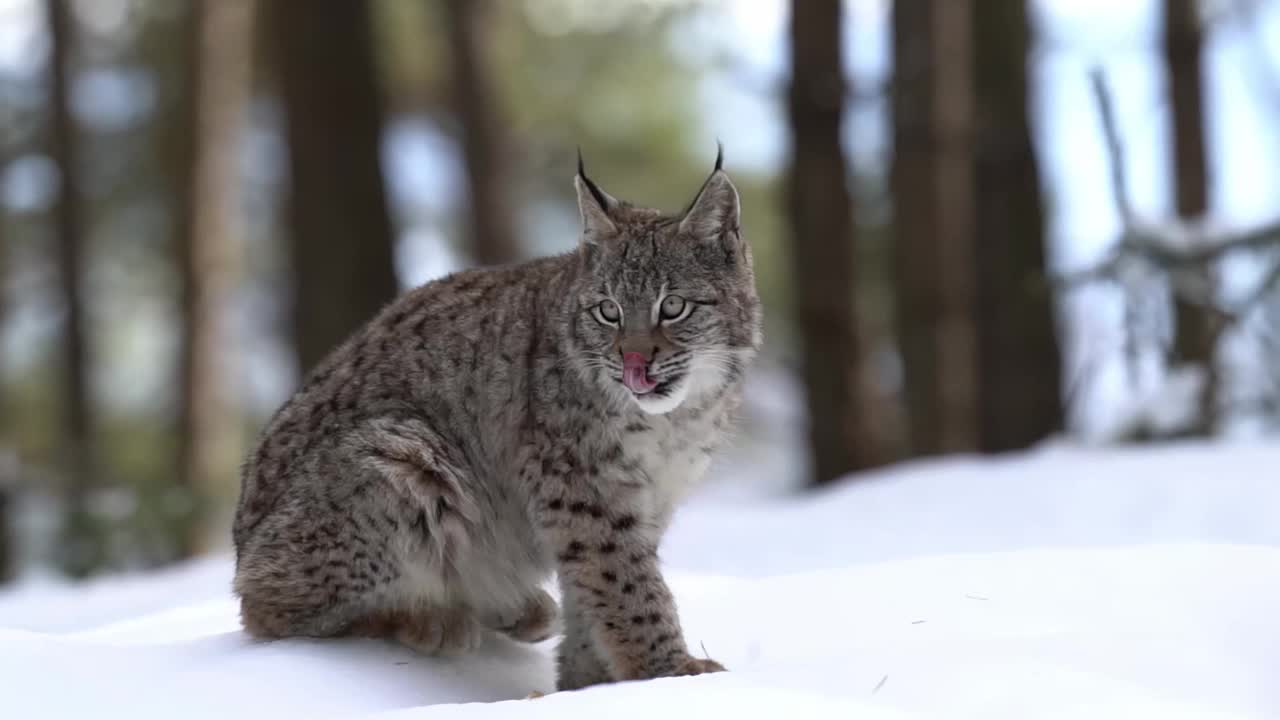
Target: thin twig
{"x": 1131, "y": 296}
{"x": 1259, "y": 295}
{"x": 1115, "y": 151}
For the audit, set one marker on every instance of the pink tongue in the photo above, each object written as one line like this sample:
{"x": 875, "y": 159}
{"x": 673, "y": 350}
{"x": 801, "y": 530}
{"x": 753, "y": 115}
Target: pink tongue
{"x": 635, "y": 373}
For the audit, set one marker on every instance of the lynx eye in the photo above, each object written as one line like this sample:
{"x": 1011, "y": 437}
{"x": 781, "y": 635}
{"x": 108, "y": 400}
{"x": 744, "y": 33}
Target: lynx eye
{"x": 608, "y": 312}
{"x": 673, "y": 307}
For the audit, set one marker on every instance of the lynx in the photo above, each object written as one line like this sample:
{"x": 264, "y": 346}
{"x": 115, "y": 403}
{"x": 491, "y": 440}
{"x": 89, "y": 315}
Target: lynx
{"x": 494, "y": 427}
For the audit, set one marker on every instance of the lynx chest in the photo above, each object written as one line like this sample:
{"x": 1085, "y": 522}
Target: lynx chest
{"x": 666, "y": 459}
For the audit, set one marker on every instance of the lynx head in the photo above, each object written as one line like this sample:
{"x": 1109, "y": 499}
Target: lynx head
{"x": 665, "y": 305}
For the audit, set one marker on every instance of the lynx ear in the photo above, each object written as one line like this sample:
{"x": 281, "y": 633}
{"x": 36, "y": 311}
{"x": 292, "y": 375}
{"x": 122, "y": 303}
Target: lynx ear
{"x": 595, "y": 206}
{"x": 715, "y": 209}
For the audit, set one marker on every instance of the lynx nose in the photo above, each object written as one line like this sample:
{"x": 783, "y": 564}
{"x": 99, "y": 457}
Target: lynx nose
{"x": 643, "y": 348}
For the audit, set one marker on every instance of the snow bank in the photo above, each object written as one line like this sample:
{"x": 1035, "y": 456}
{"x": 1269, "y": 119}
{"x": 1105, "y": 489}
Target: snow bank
{"x": 1065, "y": 584}
{"x": 1056, "y": 496}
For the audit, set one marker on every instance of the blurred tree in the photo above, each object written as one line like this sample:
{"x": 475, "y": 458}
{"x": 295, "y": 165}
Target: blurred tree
{"x": 1019, "y": 364}
{"x": 1195, "y": 334}
{"x": 933, "y": 195}
{"x": 6, "y": 482}
{"x": 218, "y": 47}
{"x": 842, "y": 437}
{"x": 6, "y": 537}
{"x": 80, "y": 553}
{"x": 621, "y": 90}
{"x": 618, "y": 84}
{"x": 341, "y": 233}
{"x": 481, "y": 123}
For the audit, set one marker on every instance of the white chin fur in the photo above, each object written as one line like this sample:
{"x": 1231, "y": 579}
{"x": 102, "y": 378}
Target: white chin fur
{"x": 662, "y": 404}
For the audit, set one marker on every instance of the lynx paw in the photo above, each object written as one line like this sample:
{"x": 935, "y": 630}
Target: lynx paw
{"x": 536, "y": 621}
{"x": 441, "y": 632}
{"x": 697, "y": 666}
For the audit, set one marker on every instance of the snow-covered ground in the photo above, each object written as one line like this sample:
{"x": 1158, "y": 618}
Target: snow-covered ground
{"x": 1066, "y": 583}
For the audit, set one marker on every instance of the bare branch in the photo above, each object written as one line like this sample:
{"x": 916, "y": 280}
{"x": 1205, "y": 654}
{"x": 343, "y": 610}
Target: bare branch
{"x": 1237, "y": 314}
{"x": 1115, "y": 151}
{"x": 1172, "y": 249}
{"x": 1106, "y": 270}
{"x": 1155, "y": 246}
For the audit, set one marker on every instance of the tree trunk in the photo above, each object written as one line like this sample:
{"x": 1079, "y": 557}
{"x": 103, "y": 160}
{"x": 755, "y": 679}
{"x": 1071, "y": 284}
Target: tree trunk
{"x": 341, "y": 233}
{"x": 80, "y": 552}
{"x": 822, "y": 237}
{"x": 933, "y": 199}
{"x": 484, "y": 140}
{"x": 7, "y": 549}
{"x": 1195, "y": 334}
{"x": 1020, "y": 367}
{"x": 218, "y": 72}
{"x": 7, "y": 483}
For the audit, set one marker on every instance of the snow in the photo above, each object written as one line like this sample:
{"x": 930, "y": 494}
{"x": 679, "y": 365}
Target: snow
{"x": 1068, "y": 582}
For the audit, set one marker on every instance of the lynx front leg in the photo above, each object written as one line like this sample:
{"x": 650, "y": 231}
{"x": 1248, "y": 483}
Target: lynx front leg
{"x": 609, "y": 573}
{"x": 578, "y": 663}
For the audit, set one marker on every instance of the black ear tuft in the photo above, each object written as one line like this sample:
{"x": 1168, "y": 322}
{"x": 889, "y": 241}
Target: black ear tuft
{"x": 719, "y": 155}
{"x": 715, "y": 208}
{"x": 594, "y": 204}
{"x": 599, "y": 195}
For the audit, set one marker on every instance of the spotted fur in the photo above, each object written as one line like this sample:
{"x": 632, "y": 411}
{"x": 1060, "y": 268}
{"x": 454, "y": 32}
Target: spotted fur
{"x": 477, "y": 436}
